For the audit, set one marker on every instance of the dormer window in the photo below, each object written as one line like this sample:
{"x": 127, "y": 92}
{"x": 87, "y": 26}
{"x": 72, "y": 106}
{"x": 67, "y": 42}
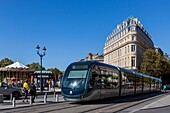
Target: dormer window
{"x": 132, "y": 28}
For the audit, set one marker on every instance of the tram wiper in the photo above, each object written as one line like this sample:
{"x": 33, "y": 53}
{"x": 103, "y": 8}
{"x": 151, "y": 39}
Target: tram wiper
{"x": 78, "y": 83}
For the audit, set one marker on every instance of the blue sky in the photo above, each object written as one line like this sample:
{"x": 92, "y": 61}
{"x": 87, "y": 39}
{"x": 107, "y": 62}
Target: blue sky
{"x": 70, "y": 29}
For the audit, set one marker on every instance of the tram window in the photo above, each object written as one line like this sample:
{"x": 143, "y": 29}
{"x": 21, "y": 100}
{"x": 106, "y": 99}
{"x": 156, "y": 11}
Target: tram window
{"x": 138, "y": 82}
{"x": 146, "y": 83}
{"x": 129, "y": 82}
{"x": 109, "y": 78}
{"x": 77, "y": 74}
{"x": 152, "y": 84}
{"x": 92, "y": 81}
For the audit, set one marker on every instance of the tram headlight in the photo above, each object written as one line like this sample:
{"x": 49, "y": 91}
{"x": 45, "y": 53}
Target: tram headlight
{"x": 71, "y": 92}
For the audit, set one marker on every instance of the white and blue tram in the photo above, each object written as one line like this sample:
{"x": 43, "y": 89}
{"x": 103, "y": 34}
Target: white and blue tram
{"x": 92, "y": 80}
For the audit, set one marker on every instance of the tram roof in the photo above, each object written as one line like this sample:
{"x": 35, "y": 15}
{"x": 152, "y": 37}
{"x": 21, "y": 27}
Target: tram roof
{"x": 125, "y": 70}
{"x": 92, "y": 62}
{"x": 108, "y": 66}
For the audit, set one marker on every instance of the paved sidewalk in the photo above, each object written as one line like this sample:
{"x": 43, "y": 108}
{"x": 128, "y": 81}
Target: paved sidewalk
{"x": 7, "y": 104}
{"x": 165, "y": 101}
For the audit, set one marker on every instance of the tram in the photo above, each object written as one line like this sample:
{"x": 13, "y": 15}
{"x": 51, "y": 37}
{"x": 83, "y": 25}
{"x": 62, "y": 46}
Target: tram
{"x": 92, "y": 80}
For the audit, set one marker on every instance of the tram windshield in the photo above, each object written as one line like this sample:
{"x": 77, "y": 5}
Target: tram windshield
{"x": 75, "y": 79}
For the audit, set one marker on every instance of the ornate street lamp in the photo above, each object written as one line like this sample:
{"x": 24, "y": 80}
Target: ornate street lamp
{"x": 41, "y": 55}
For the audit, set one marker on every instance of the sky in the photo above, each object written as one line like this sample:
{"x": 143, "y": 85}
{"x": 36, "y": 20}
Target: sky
{"x": 70, "y": 29}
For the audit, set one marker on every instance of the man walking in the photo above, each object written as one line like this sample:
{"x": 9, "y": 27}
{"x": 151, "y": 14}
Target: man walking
{"x": 32, "y": 91}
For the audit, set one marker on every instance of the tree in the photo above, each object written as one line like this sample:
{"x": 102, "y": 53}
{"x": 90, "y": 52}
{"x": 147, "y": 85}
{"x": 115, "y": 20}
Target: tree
{"x": 57, "y": 73}
{"x": 5, "y": 62}
{"x": 35, "y": 66}
{"x": 148, "y": 66}
{"x": 154, "y": 64}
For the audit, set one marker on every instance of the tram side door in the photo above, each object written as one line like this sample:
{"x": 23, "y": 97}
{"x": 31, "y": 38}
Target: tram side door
{"x": 94, "y": 84}
{"x": 103, "y": 88}
{"x": 123, "y": 84}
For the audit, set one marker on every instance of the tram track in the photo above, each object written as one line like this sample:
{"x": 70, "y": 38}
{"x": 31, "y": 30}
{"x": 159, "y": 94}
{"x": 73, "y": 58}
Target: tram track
{"x": 109, "y": 106}
{"x": 32, "y": 108}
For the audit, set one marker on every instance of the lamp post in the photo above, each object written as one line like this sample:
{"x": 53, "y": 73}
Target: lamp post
{"x": 41, "y": 55}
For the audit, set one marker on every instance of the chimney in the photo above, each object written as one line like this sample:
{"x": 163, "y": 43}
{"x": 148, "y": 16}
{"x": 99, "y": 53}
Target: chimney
{"x": 90, "y": 55}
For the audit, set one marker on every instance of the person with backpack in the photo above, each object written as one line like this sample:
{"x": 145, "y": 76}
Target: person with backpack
{"x": 33, "y": 91}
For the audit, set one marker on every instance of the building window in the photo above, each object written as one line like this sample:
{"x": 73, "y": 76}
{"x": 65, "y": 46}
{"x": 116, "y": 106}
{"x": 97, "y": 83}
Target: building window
{"x": 120, "y": 63}
{"x": 128, "y": 62}
{"x": 132, "y": 48}
{"x": 133, "y": 37}
{"x": 126, "y": 30}
{"x": 120, "y": 52}
{"x": 132, "y": 28}
{"x": 133, "y": 61}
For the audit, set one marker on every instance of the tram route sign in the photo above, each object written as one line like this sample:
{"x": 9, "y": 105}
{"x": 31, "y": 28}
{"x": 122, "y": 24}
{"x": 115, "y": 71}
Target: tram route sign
{"x": 80, "y": 67}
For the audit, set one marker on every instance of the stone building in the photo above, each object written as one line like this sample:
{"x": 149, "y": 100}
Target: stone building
{"x": 159, "y": 50}
{"x": 97, "y": 57}
{"x": 125, "y": 46}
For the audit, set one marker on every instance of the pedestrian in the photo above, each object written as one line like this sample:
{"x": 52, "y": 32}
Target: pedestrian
{"x": 25, "y": 89}
{"x": 53, "y": 85}
{"x": 33, "y": 91}
{"x": 49, "y": 85}
{"x": 0, "y": 84}
{"x": 164, "y": 88}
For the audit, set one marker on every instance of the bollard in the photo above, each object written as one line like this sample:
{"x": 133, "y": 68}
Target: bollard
{"x": 13, "y": 102}
{"x": 30, "y": 100}
{"x": 45, "y": 99}
{"x": 1, "y": 98}
{"x": 11, "y": 97}
{"x": 57, "y": 98}
{"x": 46, "y": 95}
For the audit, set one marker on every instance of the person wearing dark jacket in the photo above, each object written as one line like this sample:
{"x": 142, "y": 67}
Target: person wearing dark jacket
{"x": 32, "y": 91}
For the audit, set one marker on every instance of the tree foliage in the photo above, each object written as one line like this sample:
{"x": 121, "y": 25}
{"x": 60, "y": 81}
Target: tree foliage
{"x": 154, "y": 64}
{"x": 57, "y": 73}
{"x": 35, "y": 66}
{"x": 5, "y": 62}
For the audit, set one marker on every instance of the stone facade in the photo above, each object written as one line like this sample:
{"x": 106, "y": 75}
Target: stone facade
{"x": 97, "y": 57}
{"x": 125, "y": 46}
